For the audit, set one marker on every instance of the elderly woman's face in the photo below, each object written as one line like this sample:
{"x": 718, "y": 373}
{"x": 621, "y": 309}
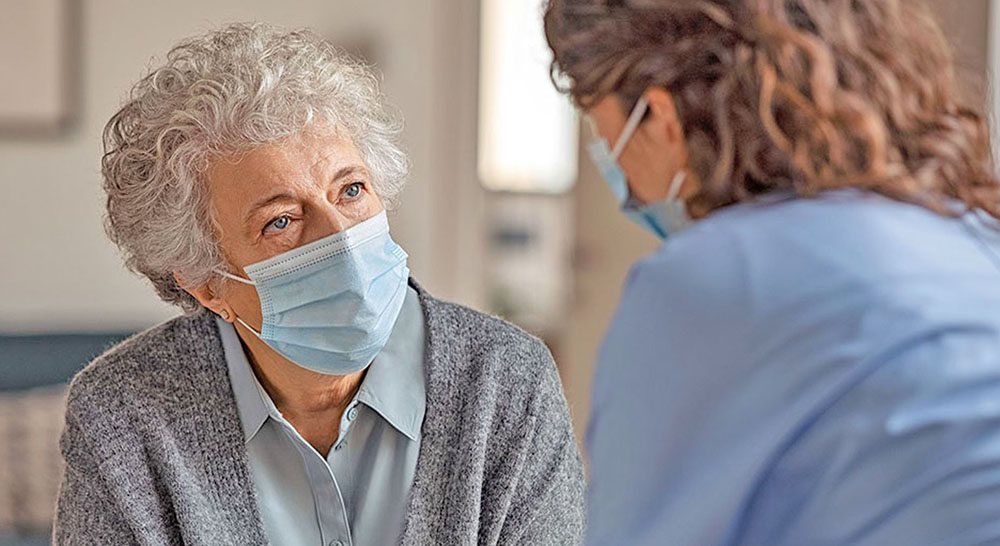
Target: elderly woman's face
{"x": 284, "y": 195}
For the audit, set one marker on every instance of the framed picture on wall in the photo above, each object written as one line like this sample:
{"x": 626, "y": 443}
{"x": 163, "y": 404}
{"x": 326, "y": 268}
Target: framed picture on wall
{"x": 38, "y": 67}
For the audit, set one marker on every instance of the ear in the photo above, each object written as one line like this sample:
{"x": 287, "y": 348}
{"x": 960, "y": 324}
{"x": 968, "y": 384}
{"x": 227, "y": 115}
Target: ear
{"x": 663, "y": 109}
{"x": 207, "y": 297}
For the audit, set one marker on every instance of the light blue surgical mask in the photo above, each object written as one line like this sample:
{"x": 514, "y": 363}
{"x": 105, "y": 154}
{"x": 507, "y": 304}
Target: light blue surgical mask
{"x": 330, "y": 306}
{"x": 662, "y": 218}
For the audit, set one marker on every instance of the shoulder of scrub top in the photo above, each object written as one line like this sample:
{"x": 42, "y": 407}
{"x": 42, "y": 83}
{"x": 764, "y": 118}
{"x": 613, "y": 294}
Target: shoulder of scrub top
{"x": 755, "y": 258}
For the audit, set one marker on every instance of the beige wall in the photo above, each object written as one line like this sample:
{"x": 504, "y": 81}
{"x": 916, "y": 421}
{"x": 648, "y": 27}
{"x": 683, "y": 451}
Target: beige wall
{"x": 58, "y": 272}
{"x": 966, "y": 24}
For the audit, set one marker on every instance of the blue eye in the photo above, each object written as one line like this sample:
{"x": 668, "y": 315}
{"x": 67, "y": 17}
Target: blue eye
{"x": 279, "y": 224}
{"x": 353, "y": 190}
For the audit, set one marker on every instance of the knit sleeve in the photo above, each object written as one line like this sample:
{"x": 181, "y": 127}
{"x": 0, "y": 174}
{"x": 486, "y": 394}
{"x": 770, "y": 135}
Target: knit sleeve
{"x": 548, "y": 504}
{"x": 85, "y": 513}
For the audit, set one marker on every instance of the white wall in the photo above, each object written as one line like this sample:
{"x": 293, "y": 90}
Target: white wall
{"x": 57, "y": 270}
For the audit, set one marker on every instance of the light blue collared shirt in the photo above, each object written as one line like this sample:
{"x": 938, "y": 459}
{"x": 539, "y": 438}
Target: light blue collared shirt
{"x": 358, "y": 494}
{"x": 803, "y": 373}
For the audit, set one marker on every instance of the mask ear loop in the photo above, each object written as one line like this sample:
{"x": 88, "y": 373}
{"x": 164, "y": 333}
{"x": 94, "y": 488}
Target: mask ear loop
{"x": 248, "y": 327}
{"x": 244, "y": 281}
{"x": 592, "y": 125}
{"x": 634, "y": 119}
{"x": 675, "y": 185}
{"x": 235, "y": 278}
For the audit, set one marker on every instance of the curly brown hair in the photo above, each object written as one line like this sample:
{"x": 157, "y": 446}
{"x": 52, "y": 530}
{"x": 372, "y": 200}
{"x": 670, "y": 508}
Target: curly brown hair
{"x": 800, "y": 95}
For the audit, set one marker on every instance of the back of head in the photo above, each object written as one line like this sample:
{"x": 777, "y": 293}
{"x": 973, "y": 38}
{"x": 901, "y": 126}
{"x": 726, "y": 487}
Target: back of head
{"x": 795, "y": 95}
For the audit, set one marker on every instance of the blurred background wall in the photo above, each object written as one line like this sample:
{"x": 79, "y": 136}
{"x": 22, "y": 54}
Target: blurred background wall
{"x": 552, "y": 261}
{"x": 60, "y": 273}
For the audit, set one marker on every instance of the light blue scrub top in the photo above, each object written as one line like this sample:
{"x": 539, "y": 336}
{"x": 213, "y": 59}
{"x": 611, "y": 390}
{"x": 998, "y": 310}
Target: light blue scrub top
{"x": 802, "y": 373}
{"x": 358, "y": 494}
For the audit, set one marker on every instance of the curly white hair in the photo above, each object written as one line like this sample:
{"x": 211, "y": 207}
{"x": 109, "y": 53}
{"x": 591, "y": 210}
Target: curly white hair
{"x": 217, "y": 95}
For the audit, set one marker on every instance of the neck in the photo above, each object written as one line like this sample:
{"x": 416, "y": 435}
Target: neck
{"x": 312, "y": 402}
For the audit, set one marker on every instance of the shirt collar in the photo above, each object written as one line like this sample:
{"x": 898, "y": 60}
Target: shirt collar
{"x": 251, "y": 401}
{"x": 393, "y": 387}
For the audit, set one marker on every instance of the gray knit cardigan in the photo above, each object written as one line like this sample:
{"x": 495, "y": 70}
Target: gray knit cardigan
{"x": 155, "y": 454}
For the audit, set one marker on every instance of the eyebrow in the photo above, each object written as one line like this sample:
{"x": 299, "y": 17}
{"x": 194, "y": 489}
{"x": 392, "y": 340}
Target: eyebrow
{"x": 349, "y": 170}
{"x": 265, "y": 202}
{"x": 284, "y": 196}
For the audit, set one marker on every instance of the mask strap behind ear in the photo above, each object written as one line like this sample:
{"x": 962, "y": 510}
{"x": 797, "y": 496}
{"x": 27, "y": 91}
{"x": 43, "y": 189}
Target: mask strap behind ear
{"x": 634, "y": 119}
{"x": 675, "y": 185}
{"x": 235, "y": 278}
{"x": 247, "y": 326}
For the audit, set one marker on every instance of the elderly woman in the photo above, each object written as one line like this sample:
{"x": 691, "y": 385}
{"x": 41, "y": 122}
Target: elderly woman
{"x": 313, "y": 394}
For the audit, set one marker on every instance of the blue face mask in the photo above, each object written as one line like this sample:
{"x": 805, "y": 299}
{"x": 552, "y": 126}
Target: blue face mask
{"x": 329, "y": 306}
{"x": 662, "y": 218}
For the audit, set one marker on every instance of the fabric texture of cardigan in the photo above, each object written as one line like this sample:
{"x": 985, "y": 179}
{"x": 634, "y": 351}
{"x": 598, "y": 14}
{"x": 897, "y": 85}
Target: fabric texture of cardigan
{"x": 155, "y": 454}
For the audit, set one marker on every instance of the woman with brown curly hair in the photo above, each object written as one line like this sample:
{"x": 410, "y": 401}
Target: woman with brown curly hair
{"x": 813, "y": 355}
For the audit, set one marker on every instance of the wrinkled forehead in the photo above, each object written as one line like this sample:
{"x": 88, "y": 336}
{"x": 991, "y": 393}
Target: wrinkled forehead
{"x": 297, "y": 165}
{"x": 290, "y": 160}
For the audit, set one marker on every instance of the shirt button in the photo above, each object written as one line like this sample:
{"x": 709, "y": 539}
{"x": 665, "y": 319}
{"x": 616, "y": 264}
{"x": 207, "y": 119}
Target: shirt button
{"x": 352, "y": 413}
{"x": 337, "y": 543}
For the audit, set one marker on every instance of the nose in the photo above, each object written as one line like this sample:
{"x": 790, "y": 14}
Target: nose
{"x": 330, "y": 218}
